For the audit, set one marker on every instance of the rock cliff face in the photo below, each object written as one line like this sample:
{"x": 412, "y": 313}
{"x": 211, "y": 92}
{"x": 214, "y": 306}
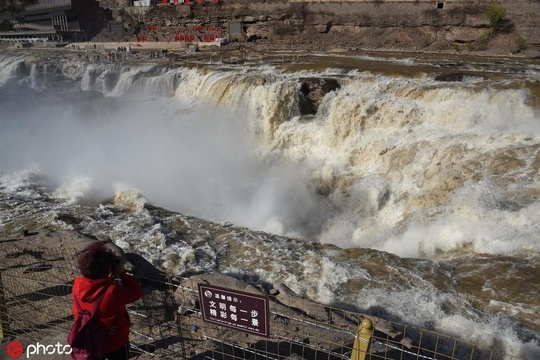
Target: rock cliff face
{"x": 414, "y": 25}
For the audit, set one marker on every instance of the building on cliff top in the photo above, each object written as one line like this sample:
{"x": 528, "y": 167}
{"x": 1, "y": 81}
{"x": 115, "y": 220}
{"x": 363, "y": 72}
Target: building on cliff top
{"x": 59, "y": 20}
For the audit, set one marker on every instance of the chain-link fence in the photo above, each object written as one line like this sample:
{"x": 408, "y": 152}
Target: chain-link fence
{"x": 35, "y": 304}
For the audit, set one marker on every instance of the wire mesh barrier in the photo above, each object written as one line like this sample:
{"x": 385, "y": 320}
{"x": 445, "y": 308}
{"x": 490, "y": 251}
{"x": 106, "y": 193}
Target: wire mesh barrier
{"x": 35, "y": 304}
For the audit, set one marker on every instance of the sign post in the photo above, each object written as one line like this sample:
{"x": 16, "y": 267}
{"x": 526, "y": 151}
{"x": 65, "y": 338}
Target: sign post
{"x": 235, "y": 310}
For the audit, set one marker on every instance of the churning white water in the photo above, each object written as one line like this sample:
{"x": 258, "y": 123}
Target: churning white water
{"x": 445, "y": 172}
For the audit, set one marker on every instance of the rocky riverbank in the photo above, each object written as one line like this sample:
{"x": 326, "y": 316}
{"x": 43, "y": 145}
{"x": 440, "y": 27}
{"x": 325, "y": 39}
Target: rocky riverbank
{"x": 301, "y": 329}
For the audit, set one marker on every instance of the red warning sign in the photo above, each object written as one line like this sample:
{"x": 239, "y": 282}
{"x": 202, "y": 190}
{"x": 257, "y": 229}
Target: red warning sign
{"x": 234, "y": 309}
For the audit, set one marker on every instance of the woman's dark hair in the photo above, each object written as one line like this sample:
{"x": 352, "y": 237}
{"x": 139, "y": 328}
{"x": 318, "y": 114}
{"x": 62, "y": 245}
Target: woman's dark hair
{"x": 96, "y": 261}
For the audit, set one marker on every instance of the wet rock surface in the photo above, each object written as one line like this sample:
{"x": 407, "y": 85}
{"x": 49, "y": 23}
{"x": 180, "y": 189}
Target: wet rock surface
{"x": 312, "y": 92}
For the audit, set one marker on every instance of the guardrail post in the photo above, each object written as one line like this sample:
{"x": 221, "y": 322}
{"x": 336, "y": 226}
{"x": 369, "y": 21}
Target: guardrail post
{"x": 4, "y": 324}
{"x": 362, "y": 340}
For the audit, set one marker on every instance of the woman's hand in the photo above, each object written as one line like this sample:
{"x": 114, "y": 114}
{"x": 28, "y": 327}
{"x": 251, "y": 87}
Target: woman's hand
{"x": 118, "y": 267}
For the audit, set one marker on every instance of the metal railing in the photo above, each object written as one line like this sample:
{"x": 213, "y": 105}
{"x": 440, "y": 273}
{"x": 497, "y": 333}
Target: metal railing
{"x": 35, "y": 305}
{"x": 47, "y": 5}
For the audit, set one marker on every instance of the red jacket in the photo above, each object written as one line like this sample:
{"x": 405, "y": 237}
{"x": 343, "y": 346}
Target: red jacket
{"x": 112, "y": 311}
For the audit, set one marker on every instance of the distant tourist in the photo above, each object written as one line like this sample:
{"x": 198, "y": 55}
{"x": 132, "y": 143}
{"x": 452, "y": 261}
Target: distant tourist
{"x": 99, "y": 267}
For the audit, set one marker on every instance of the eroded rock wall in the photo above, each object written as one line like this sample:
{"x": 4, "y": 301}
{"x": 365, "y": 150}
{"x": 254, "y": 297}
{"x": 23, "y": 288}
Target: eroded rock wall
{"x": 376, "y": 24}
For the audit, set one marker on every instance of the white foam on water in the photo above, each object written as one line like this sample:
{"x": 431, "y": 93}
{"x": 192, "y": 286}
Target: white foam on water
{"x": 231, "y": 147}
{"x": 74, "y": 191}
{"x": 8, "y": 66}
{"x": 492, "y": 232}
{"x": 324, "y": 277}
{"x": 379, "y": 166}
{"x": 129, "y": 198}
{"x": 427, "y": 308}
{"x": 24, "y": 183}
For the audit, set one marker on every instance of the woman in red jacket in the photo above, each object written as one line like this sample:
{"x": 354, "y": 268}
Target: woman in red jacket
{"x": 99, "y": 267}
